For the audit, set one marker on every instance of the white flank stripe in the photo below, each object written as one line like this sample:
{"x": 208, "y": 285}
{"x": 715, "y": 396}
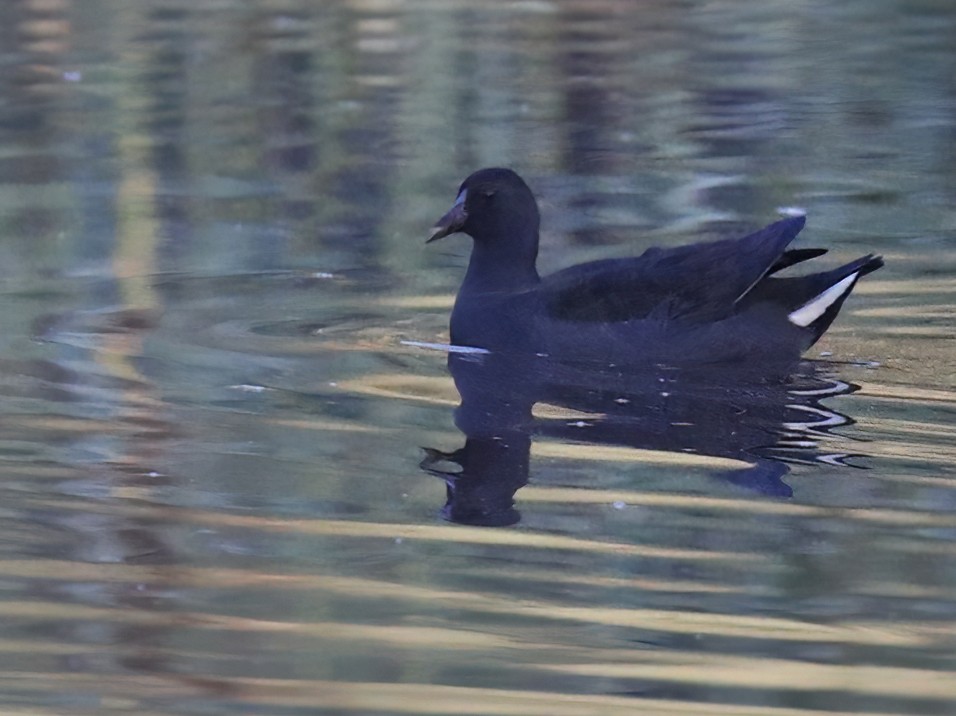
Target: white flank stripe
{"x": 445, "y": 347}
{"x": 817, "y": 306}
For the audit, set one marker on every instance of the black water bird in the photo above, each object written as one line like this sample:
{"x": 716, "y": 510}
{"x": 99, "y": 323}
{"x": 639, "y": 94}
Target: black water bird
{"x": 703, "y": 303}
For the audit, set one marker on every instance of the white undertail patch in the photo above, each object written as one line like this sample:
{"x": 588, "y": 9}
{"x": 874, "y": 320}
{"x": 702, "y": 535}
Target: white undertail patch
{"x": 817, "y": 306}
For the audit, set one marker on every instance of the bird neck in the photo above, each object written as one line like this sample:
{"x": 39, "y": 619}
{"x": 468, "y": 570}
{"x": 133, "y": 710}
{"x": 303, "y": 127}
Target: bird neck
{"x": 496, "y": 266}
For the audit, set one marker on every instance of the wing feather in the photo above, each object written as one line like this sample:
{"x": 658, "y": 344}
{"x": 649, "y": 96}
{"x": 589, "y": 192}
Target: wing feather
{"x": 698, "y": 282}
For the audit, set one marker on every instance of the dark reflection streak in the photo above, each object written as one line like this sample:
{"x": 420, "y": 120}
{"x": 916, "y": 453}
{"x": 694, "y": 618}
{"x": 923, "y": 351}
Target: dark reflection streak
{"x": 370, "y": 141}
{"x": 739, "y": 119}
{"x": 589, "y": 100}
{"x": 31, "y": 90}
{"x": 283, "y": 69}
{"x": 165, "y": 80}
{"x": 722, "y": 412}
{"x": 103, "y": 359}
{"x": 591, "y": 109}
{"x": 466, "y": 102}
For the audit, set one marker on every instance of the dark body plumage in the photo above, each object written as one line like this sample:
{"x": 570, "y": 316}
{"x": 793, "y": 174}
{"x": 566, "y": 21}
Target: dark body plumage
{"x": 703, "y": 303}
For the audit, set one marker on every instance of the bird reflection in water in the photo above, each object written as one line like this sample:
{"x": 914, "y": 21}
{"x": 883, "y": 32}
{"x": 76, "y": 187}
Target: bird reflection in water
{"x": 765, "y": 420}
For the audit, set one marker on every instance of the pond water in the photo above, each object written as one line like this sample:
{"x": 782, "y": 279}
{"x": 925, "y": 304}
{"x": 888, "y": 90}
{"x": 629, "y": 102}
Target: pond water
{"x": 232, "y": 477}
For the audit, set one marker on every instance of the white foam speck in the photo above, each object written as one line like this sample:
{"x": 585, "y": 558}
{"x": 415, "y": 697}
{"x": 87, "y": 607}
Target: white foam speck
{"x": 246, "y": 388}
{"x": 791, "y": 211}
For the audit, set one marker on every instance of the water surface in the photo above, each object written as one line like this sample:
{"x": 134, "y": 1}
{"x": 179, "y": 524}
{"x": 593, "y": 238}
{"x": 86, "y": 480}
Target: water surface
{"x": 214, "y": 409}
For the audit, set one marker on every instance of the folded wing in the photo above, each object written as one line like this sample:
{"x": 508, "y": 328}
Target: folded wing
{"x": 700, "y": 282}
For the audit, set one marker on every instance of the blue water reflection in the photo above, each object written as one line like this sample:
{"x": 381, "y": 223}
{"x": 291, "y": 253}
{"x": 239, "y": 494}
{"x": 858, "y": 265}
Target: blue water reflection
{"x": 722, "y": 412}
{"x": 210, "y": 429}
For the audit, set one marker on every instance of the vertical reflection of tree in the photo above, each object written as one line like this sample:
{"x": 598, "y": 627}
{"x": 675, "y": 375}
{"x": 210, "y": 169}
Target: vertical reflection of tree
{"x": 164, "y": 79}
{"x": 592, "y": 76}
{"x": 593, "y": 43}
{"x": 282, "y": 100}
{"x": 737, "y": 71}
{"x": 359, "y": 128}
{"x": 432, "y": 122}
{"x": 32, "y": 89}
{"x": 101, "y": 337}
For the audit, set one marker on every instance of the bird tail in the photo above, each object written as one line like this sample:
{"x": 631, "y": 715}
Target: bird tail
{"x": 831, "y": 289}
